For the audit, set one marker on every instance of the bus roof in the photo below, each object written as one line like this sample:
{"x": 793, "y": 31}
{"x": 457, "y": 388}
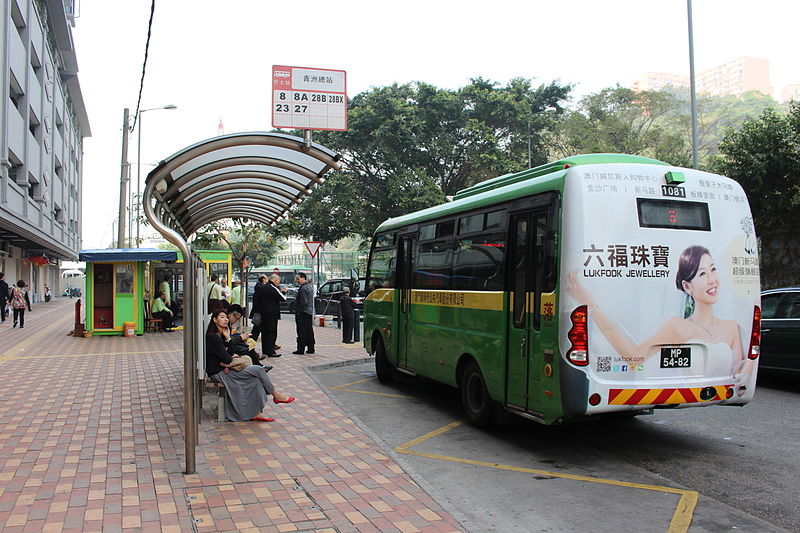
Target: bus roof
{"x": 511, "y": 186}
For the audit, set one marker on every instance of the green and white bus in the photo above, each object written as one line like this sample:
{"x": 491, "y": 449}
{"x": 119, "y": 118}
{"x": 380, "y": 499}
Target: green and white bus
{"x": 596, "y": 284}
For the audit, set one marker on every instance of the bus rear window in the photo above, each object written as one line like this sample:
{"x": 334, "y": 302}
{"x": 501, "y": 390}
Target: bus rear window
{"x": 656, "y": 213}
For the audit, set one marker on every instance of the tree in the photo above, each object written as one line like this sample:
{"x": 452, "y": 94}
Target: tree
{"x": 764, "y": 157}
{"x": 408, "y": 146}
{"x": 621, "y": 120}
{"x": 244, "y": 238}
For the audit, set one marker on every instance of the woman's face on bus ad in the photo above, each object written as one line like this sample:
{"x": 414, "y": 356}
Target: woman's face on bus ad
{"x": 704, "y": 287}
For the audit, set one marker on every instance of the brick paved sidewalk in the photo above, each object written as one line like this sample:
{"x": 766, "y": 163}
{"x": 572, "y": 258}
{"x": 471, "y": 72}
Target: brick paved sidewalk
{"x": 91, "y": 439}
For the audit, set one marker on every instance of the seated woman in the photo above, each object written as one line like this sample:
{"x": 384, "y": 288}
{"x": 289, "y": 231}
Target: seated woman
{"x": 248, "y": 389}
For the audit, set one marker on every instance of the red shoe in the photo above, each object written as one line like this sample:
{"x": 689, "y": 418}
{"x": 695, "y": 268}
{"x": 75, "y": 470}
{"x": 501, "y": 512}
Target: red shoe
{"x": 263, "y": 419}
{"x": 290, "y": 399}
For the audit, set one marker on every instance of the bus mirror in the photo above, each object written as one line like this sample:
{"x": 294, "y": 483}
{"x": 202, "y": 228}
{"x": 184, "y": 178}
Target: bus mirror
{"x": 354, "y": 274}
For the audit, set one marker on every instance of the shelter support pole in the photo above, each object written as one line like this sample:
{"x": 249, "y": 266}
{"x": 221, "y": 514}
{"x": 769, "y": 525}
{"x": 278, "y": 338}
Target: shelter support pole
{"x": 190, "y": 377}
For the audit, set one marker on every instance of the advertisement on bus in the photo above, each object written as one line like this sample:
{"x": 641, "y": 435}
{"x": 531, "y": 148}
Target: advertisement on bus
{"x": 660, "y": 287}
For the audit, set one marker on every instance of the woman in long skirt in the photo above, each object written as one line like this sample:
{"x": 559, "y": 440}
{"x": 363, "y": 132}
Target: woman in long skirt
{"x": 248, "y": 389}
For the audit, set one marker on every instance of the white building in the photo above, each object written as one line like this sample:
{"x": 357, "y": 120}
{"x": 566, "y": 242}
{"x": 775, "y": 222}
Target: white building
{"x": 43, "y": 122}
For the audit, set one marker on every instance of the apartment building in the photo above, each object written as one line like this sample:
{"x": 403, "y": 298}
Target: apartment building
{"x": 735, "y": 77}
{"x": 43, "y": 122}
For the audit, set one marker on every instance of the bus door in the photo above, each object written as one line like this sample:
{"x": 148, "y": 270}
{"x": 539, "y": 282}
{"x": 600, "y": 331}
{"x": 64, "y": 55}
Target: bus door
{"x": 405, "y": 277}
{"x": 527, "y": 238}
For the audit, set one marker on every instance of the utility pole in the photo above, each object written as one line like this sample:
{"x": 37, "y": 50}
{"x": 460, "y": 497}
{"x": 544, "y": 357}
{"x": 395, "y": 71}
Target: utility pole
{"x": 693, "y": 86}
{"x": 123, "y": 183}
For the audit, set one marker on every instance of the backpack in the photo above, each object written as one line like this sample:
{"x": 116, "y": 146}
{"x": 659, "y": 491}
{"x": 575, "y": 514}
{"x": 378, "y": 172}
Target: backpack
{"x": 18, "y": 298}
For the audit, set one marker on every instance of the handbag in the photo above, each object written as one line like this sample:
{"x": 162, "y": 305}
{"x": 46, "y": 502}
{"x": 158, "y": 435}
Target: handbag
{"x": 240, "y": 362}
{"x": 256, "y": 320}
{"x": 239, "y": 346}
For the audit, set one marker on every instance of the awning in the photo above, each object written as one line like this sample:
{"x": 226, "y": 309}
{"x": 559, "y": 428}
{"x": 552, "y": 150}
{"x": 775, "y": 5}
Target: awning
{"x": 258, "y": 176}
{"x": 128, "y": 254}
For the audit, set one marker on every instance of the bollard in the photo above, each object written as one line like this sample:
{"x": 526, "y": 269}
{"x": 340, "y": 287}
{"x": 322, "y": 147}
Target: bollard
{"x": 356, "y": 325}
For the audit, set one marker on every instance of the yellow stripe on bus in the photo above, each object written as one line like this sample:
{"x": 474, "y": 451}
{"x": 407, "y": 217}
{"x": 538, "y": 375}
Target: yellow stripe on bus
{"x": 381, "y": 295}
{"x": 491, "y": 301}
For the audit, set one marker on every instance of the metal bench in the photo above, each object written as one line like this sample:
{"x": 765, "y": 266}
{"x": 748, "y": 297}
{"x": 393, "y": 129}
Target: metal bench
{"x": 219, "y": 390}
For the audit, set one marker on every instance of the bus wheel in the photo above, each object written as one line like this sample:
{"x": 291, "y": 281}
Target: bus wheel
{"x": 475, "y": 396}
{"x": 383, "y": 368}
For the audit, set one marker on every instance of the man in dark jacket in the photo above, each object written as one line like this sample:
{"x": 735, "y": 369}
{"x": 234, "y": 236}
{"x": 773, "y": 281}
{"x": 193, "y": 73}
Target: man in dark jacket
{"x": 347, "y": 308}
{"x": 3, "y": 297}
{"x": 271, "y": 298}
{"x": 258, "y": 306}
{"x": 304, "y": 314}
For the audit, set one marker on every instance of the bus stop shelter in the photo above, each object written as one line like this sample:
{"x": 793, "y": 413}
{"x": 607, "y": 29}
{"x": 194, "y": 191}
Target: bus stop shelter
{"x": 258, "y": 176}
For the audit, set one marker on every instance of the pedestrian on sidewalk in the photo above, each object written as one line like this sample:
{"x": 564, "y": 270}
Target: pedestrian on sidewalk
{"x": 257, "y": 307}
{"x": 4, "y": 296}
{"x": 271, "y": 314}
{"x": 347, "y": 308}
{"x": 249, "y": 388}
{"x": 304, "y": 315}
{"x": 19, "y": 301}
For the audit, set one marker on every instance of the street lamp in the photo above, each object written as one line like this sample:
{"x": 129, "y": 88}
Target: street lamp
{"x": 139, "y": 166}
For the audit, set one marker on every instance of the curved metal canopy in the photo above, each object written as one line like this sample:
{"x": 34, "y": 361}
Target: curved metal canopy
{"x": 257, "y": 175}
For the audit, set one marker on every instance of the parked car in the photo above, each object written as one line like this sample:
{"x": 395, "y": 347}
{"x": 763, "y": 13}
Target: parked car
{"x": 328, "y": 295}
{"x": 780, "y": 330}
{"x": 287, "y": 306}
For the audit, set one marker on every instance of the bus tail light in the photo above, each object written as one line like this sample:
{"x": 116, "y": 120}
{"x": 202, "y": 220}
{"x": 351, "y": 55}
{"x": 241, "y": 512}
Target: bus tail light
{"x": 578, "y": 336}
{"x": 755, "y": 335}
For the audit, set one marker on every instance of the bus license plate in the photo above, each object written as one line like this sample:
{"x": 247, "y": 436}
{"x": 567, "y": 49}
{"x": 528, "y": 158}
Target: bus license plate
{"x": 676, "y": 357}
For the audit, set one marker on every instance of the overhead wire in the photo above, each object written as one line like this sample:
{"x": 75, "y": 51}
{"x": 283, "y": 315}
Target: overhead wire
{"x": 144, "y": 65}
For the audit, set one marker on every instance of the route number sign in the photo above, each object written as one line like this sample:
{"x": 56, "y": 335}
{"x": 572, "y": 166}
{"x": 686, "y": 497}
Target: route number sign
{"x": 309, "y": 98}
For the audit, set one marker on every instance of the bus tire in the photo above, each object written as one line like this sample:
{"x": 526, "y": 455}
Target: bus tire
{"x": 475, "y": 398}
{"x": 383, "y": 368}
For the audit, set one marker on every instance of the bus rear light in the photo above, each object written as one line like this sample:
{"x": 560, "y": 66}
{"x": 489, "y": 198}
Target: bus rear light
{"x": 755, "y": 334}
{"x": 578, "y": 336}
{"x": 594, "y": 399}
{"x": 742, "y": 389}
{"x": 729, "y": 393}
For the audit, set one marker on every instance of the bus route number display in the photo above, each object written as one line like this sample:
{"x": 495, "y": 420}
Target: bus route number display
{"x": 309, "y": 98}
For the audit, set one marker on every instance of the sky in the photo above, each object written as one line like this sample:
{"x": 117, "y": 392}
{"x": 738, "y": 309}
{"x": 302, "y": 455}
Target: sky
{"x": 213, "y": 59}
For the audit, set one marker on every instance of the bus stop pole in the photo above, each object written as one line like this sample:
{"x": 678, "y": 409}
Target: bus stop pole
{"x": 190, "y": 430}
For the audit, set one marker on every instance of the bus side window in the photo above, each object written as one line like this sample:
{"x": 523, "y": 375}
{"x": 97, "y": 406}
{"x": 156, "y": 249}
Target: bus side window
{"x": 381, "y": 272}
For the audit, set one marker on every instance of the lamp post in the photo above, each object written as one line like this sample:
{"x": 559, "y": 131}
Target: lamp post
{"x": 139, "y": 166}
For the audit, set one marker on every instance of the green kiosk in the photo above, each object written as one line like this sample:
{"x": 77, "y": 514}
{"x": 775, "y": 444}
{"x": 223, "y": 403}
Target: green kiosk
{"x": 115, "y": 287}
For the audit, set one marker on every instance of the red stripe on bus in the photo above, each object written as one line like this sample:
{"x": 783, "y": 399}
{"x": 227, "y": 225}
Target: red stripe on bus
{"x": 638, "y": 395}
{"x": 688, "y": 395}
{"x": 612, "y": 394}
{"x": 664, "y": 396}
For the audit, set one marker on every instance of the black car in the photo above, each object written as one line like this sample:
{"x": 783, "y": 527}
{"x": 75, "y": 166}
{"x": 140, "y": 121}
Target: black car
{"x": 780, "y": 330}
{"x": 328, "y": 295}
{"x": 287, "y": 306}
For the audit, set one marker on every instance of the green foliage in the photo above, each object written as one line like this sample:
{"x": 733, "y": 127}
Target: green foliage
{"x": 244, "y": 238}
{"x": 624, "y": 121}
{"x": 408, "y": 146}
{"x": 764, "y": 157}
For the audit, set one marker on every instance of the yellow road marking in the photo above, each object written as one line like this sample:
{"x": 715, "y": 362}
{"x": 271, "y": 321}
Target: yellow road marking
{"x": 344, "y": 388}
{"x": 681, "y": 518}
{"x": 46, "y": 331}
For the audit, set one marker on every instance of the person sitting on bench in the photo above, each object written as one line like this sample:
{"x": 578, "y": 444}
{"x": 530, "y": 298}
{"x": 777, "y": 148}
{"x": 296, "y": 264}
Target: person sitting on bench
{"x": 160, "y": 310}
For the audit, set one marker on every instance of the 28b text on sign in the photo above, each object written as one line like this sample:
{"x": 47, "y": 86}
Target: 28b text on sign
{"x": 309, "y": 98}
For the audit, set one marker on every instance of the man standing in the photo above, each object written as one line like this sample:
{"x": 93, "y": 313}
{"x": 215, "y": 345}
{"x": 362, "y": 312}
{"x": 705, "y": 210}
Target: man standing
{"x": 257, "y": 308}
{"x": 304, "y": 314}
{"x": 272, "y": 299}
{"x": 160, "y": 310}
{"x": 236, "y": 292}
{"x": 3, "y": 297}
{"x": 214, "y": 294}
{"x": 346, "y": 308}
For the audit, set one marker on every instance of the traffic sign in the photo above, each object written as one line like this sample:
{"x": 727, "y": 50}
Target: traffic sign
{"x": 313, "y": 247}
{"x": 309, "y": 98}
